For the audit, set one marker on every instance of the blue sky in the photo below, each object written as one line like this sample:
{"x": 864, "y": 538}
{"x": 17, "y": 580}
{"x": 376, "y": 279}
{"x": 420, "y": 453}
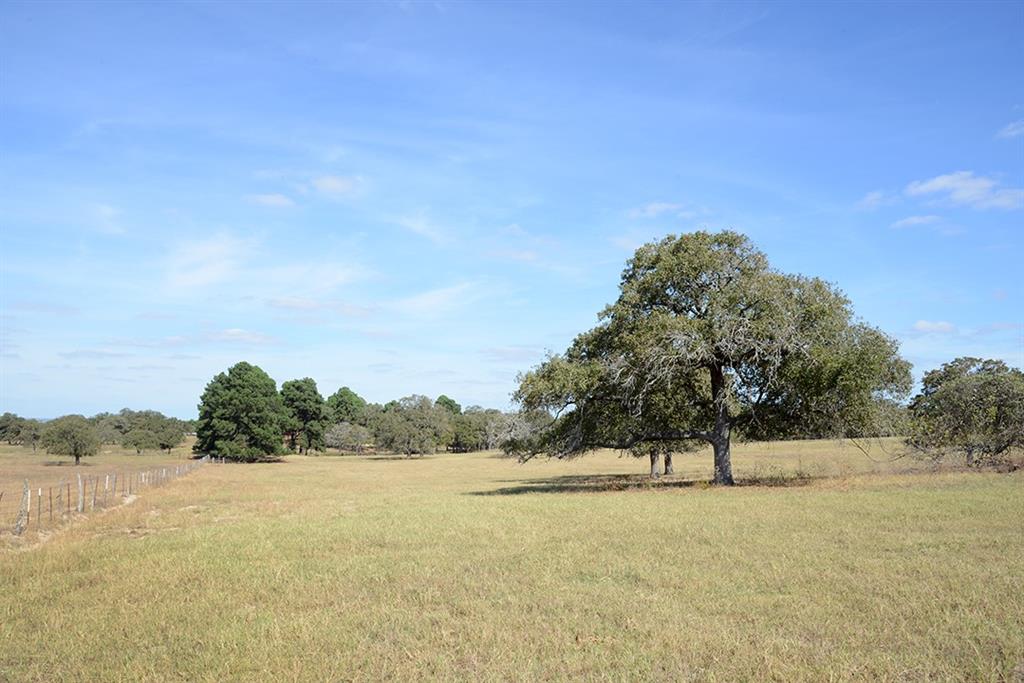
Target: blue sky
{"x": 424, "y": 197}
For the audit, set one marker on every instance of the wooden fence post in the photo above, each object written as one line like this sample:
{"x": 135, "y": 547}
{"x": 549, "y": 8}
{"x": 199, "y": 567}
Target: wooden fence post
{"x": 39, "y": 507}
{"x": 81, "y": 495}
{"x": 21, "y": 522}
{"x": 95, "y": 484}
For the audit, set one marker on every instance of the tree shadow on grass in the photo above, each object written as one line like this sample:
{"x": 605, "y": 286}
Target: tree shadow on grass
{"x": 592, "y": 483}
{"x": 395, "y": 457}
{"x": 604, "y": 483}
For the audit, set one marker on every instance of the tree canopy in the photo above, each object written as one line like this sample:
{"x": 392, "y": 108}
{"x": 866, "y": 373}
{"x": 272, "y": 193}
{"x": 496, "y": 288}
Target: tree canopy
{"x": 345, "y": 405}
{"x": 307, "y": 414}
{"x": 706, "y": 338}
{"x": 448, "y": 404}
{"x": 241, "y": 415}
{"x": 144, "y": 429}
{"x": 413, "y": 425}
{"x": 70, "y": 435}
{"x": 971, "y": 406}
{"x": 346, "y": 436}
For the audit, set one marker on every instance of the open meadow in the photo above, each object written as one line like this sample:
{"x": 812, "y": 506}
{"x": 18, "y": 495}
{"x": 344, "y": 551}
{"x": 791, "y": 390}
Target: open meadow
{"x": 478, "y": 567}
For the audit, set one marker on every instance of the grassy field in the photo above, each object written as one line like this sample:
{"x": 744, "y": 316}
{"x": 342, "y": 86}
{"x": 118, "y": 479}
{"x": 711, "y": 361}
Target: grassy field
{"x": 476, "y": 567}
{"x": 44, "y": 471}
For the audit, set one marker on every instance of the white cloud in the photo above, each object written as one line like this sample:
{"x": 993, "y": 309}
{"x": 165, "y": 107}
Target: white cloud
{"x": 520, "y": 255}
{"x": 273, "y": 200}
{"x": 655, "y": 209}
{"x": 206, "y": 262}
{"x": 873, "y": 200}
{"x": 298, "y": 304}
{"x": 105, "y": 218}
{"x": 313, "y": 278}
{"x": 938, "y": 327}
{"x": 435, "y": 302}
{"x": 240, "y": 336}
{"x": 963, "y": 188}
{"x": 423, "y": 227}
{"x": 512, "y": 354}
{"x": 911, "y": 221}
{"x": 92, "y": 354}
{"x": 338, "y": 186}
{"x": 1011, "y": 130}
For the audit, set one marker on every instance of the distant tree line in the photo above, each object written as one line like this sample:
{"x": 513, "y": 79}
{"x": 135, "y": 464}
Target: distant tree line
{"x": 78, "y": 436}
{"x": 242, "y": 416}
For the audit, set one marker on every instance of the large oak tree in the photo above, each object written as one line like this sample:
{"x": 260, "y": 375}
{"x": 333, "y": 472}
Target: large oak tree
{"x": 706, "y": 339}
{"x": 970, "y": 406}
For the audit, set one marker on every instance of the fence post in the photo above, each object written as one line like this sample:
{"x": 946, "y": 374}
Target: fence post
{"x": 50, "y": 491}
{"x": 69, "y": 499}
{"x": 81, "y": 495}
{"x": 26, "y": 502}
{"x": 39, "y": 507}
{"x": 95, "y": 484}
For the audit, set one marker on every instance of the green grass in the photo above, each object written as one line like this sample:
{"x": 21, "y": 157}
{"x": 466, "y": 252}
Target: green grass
{"x": 476, "y": 567}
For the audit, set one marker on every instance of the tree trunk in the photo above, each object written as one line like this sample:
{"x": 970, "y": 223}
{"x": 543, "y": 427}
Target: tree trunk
{"x": 78, "y": 459}
{"x": 654, "y": 465}
{"x": 668, "y": 464}
{"x": 723, "y": 462}
{"x": 720, "y": 435}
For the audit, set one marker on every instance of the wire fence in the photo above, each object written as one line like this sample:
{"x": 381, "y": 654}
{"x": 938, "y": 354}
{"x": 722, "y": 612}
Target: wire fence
{"x": 37, "y": 508}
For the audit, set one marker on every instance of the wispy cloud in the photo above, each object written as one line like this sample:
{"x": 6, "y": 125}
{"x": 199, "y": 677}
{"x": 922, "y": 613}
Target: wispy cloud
{"x": 250, "y": 270}
{"x": 439, "y": 301}
{"x": 205, "y": 262}
{"x": 934, "y": 327}
{"x": 106, "y": 219}
{"x": 420, "y": 225}
{"x": 520, "y": 255}
{"x": 233, "y": 335}
{"x": 275, "y": 200}
{"x": 964, "y": 188}
{"x": 92, "y": 354}
{"x": 875, "y": 199}
{"x": 299, "y": 304}
{"x": 512, "y": 354}
{"x": 656, "y": 209}
{"x": 46, "y": 307}
{"x": 912, "y": 221}
{"x": 1011, "y": 130}
{"x": 236, "y": 335}
{"x": 337, "y": 185}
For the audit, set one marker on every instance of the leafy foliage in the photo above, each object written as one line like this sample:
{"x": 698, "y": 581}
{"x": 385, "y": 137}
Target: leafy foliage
{"x": 448, "y": 404}
{"x": 349, "y": 437}
{"x": 241, "y": 415}
{"x": 705, "y": 338}
{"x": 147, "y": 429}
{"x": 970, "y": 406}
{"x": 307, "y": 414}
{"x": 345, "y": 405}
{"x": 70, "y": 435}
{"x": 15, "y": 429}
{"x": 412, "y": 425}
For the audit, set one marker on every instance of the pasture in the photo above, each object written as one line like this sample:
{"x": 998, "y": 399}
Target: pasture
{"x": 476, "y": 567}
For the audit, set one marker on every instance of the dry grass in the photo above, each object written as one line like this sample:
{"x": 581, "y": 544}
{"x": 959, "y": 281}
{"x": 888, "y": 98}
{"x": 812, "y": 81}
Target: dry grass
{"x": 476, "y": 567}
{"x": 44, "y": 471}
